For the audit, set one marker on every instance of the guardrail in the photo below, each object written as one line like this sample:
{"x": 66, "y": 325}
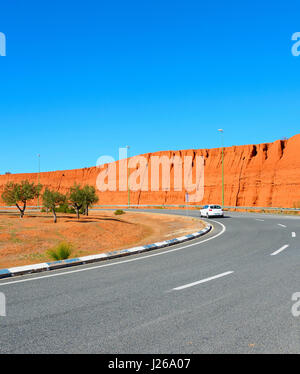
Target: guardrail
{"x": 162, "y": 206}
{"x": 262, "y": 208}
{"x": 195, "y": 206}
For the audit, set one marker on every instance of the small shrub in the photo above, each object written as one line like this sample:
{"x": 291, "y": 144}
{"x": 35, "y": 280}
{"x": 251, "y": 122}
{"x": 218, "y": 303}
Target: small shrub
{"x": 64, "y": 208}
{"x": 61, "y": 251}
{"x": 119, "y": 211}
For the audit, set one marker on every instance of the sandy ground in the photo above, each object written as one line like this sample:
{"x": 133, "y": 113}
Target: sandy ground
{"x": 26, "y": 241}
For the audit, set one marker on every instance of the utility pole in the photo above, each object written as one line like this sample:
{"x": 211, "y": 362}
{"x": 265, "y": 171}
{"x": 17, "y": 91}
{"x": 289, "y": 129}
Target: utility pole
{"x": 222, "y": 144}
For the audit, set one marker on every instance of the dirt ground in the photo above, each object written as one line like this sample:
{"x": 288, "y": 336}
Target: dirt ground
{"x": 26, "y": 241}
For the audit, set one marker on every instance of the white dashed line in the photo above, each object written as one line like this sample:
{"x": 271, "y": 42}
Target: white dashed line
{"x": 293, "y": 234}
{"x": 202, "y": 281}
{"x": 279, "y": 250}
{"x": 279, "y": 224}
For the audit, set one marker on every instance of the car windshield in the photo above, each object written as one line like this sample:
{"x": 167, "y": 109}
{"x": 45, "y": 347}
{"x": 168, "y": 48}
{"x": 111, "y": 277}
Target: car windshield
{"x": 215, "y": 207}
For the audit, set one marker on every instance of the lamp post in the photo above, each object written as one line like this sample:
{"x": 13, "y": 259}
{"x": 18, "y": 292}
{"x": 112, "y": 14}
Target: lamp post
{"x": 222, "y": 144}
{"x": 128, "y": 187}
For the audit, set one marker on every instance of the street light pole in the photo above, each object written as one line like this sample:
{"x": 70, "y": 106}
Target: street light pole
{"x": 222, "y": 144}
{"x": 128, "y": 187}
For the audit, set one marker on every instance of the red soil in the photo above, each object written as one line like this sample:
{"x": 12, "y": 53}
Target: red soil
{"x": 26, "y": 241}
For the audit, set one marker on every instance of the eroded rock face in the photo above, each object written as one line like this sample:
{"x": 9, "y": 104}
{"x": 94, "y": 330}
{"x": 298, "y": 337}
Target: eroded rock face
{"x": 266, "y": 175}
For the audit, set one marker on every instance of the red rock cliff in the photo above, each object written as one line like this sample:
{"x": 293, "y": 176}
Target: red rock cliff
{"x": 255, "y": 175}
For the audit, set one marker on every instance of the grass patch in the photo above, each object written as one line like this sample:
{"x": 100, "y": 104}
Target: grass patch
{"x": 34, "y": 257}
{"x": 61, "y": 251}
{"x": 119, "y": 211}
{"x": 13, "y": 237}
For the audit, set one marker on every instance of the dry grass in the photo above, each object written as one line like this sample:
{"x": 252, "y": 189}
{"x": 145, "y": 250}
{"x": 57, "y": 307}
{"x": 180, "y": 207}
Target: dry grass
{"x": 28, "y": 240}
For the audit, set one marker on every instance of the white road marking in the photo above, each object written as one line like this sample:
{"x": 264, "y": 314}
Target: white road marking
{"x": 279, "y": 224}
{"x": 202, "y": 281}
{"x": 119, "y": 262}
{"x": 293, "y": 234}
{"x": 279, "y": 250}
{"x": 257, "y": 219}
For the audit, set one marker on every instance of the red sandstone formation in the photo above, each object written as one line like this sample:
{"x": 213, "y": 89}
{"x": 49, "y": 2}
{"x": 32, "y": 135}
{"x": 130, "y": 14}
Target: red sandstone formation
{"x": 266, "y": 175}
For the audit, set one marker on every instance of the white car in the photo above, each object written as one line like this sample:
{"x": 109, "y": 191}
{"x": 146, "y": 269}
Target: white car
{"x": 211, "y": 210}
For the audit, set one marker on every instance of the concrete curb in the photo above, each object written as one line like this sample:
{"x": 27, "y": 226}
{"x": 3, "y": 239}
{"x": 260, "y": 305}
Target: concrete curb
{"x": 46, "y": 266}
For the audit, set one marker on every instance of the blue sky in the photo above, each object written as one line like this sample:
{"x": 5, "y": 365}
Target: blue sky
{"x": 83, "y": 78}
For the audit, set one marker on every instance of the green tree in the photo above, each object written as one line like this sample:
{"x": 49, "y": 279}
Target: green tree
{"x": 81, "y": 198}
{"x": 76, "y": 198}
{"x": 51, "y": 199}
{"x": 20, "y": 193}
{"x": 90, "y": 198}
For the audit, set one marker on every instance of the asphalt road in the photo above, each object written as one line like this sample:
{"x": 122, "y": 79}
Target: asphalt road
{"x": 228, "y": 292}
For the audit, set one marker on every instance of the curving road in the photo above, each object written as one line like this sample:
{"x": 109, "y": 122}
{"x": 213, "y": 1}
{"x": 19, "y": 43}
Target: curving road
{"x": 228, "y": 292}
